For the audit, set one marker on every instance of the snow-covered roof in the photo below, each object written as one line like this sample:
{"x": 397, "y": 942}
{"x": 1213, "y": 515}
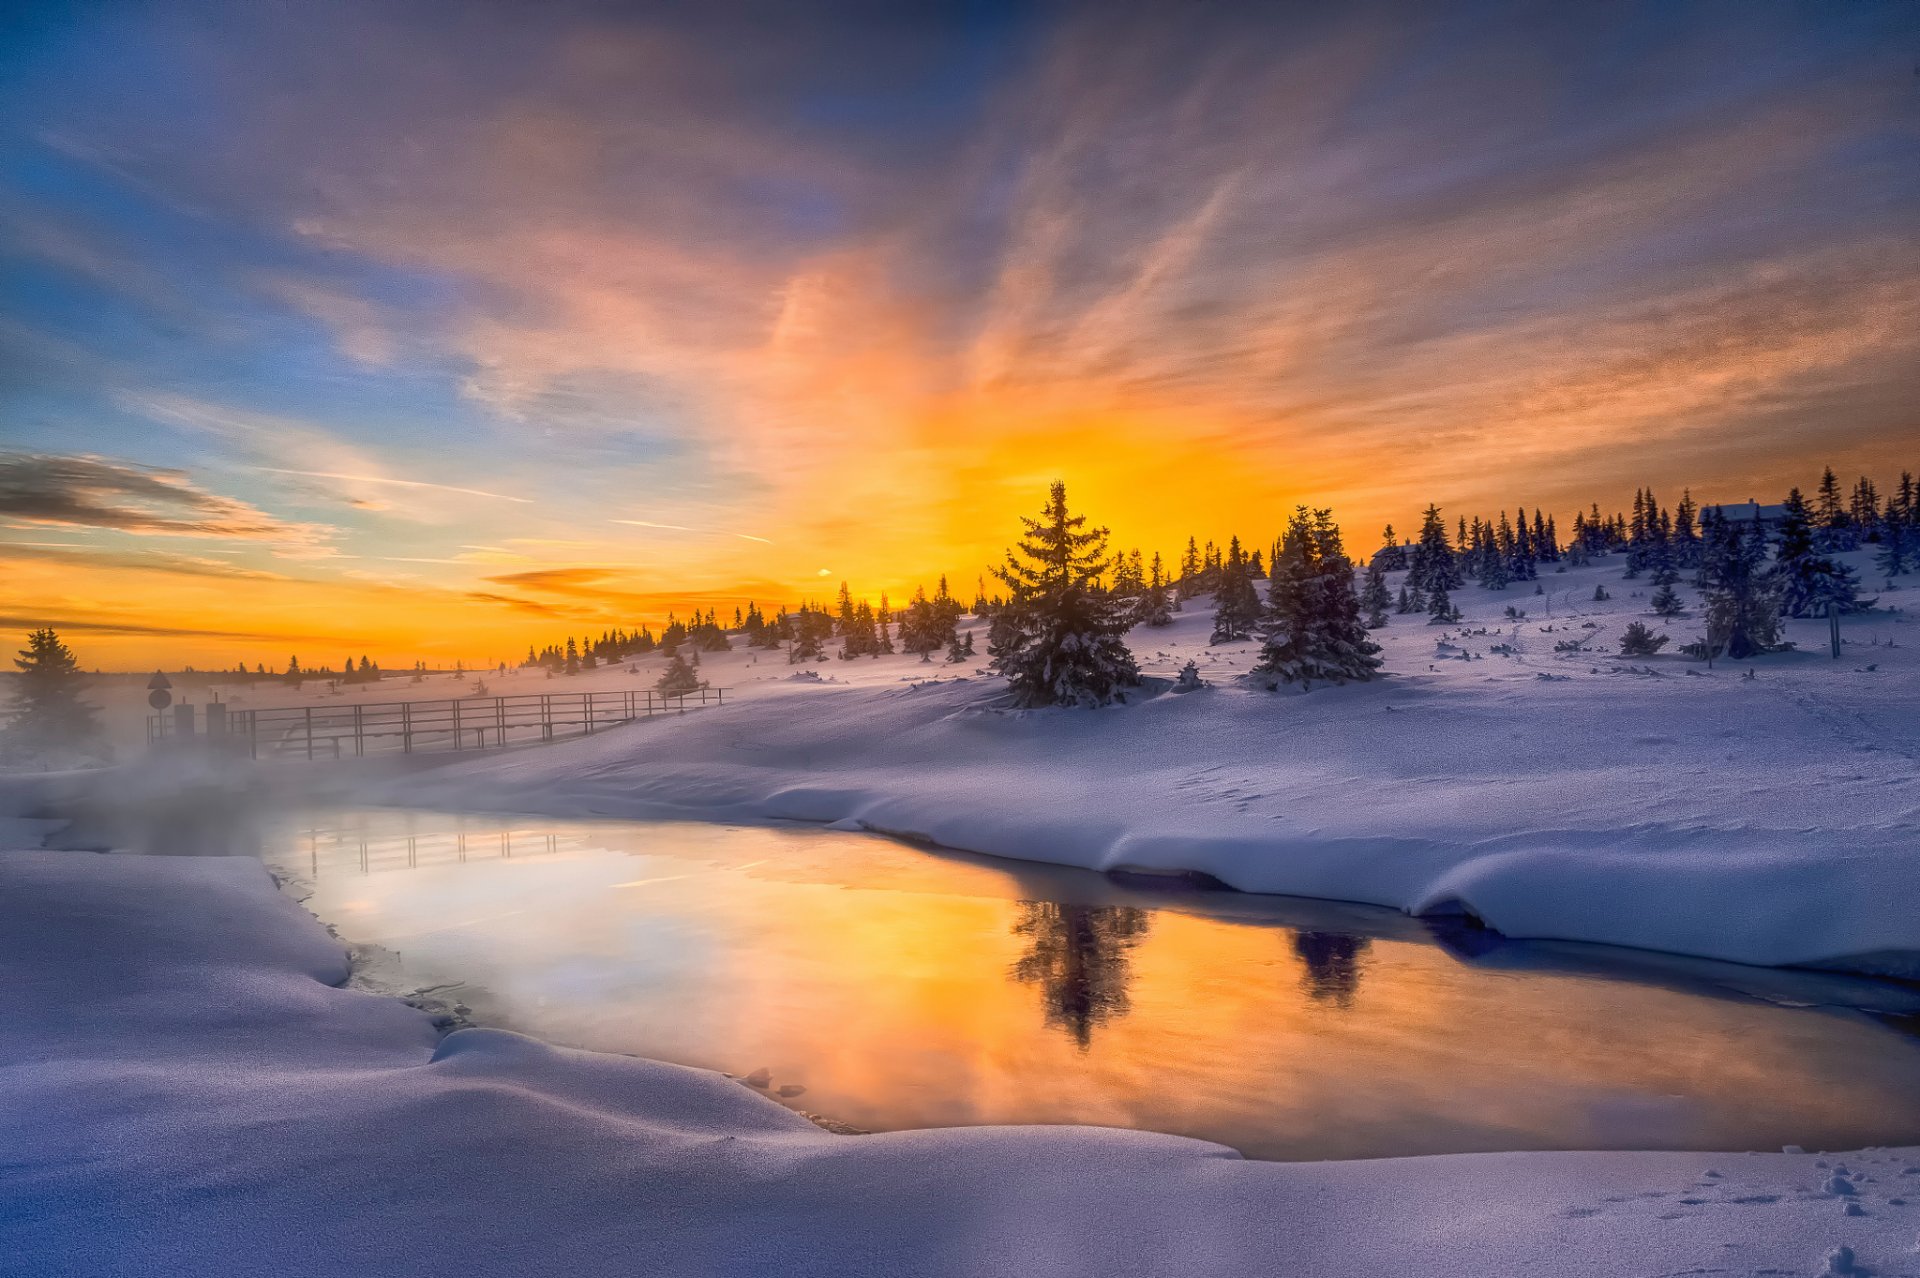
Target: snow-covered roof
{"x": 1749, "y": 510}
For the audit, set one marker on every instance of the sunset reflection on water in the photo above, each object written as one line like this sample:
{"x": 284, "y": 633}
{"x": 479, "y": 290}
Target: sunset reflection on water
{"x": 899, "y": 988}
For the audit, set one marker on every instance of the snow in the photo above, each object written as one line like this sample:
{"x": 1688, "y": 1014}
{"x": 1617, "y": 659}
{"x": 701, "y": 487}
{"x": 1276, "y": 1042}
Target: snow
{"x": 1574, "y": 795}
{"x": 188, "y": 1091}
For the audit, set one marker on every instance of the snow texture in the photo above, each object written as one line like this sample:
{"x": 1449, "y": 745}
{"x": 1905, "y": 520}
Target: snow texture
{"x": 187, "y": 1092}
{"x": 1516, "y": 769}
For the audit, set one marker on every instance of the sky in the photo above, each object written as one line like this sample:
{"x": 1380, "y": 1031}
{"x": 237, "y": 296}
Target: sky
{"x": 432, "y": 331}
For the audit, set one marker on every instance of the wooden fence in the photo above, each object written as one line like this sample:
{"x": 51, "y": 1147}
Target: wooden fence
{"x": 415, "y": 727}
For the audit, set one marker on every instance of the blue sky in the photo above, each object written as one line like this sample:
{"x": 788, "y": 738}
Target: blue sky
{"x": 536, "y": 316}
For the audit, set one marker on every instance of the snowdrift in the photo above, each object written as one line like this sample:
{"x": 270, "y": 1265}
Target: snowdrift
{"x": 186, "y": 1092}
{"x": 1687, "y": 825}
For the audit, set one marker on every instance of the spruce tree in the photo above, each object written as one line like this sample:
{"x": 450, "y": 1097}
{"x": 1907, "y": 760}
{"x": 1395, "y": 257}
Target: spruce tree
{"x": 1666, "y": 601}
{"x": 1433, "y": 565}
{"x": 678, "y": 679}
{"x": 1373, "y": 596}
{"x": 1640, "y": 641}
{"x": 1313, "y": 630}
{"x": 1236, "y": 609}
{"x": 1154, "y": 606}
{"x": 1807, "y": 581}
{"x": 1742, "y": 607}
{"x": 1064, "y": 644}
{"x": 48, "y": 723}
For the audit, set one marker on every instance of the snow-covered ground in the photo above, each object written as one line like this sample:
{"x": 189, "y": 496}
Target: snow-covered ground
{"x": 188, "y": 1091}
{"x": 1648, "y": 802}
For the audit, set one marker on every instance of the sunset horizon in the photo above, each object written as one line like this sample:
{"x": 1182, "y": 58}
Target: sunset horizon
{"x": 353, "y": 328}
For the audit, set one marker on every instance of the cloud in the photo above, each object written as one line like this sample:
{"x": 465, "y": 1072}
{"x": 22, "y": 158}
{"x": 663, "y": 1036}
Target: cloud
{"x": 136, "y": 561}
{"x": 366, "y": 332}
{"x": 94, "y": 623}
{"x": 395, "y": 482}
{"x": 95, "y": 492}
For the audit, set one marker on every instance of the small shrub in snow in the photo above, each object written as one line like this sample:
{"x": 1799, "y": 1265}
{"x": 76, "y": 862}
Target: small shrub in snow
{"x": 1639, "y": 641}
{"x": 678, "y": 679}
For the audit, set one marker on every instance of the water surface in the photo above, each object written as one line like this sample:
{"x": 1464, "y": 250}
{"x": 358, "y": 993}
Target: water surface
{"x": 896, "y": 987}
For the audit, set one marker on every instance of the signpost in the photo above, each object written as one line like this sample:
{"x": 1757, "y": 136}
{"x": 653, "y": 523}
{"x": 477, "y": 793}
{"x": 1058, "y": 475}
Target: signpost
{"x": 158, "y": 695}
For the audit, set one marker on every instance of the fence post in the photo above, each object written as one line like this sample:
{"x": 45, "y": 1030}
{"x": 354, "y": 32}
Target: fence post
{"x": 253, "y": 735}
{"x": 359, "y": 735}
{"x": 546, "y": 716}
{"x": 308, "y": 718}
{"x": 499, "y": 722}
{"x": 456, "y": 725}
{"x": 406, "y": 727}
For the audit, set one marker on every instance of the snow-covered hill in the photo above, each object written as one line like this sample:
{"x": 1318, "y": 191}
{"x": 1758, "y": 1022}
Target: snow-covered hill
{"x": 1765, "y": 812}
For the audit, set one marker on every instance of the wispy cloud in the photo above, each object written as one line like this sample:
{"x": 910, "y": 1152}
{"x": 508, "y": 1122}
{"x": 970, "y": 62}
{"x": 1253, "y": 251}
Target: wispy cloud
{"x": 97, "y": 492}
{"x": 396, "y": 483}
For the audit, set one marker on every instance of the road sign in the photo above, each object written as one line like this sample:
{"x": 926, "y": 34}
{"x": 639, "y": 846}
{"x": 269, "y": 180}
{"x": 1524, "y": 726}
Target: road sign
{"x": 159, "y": 698}
{"x": 159, "y": 681}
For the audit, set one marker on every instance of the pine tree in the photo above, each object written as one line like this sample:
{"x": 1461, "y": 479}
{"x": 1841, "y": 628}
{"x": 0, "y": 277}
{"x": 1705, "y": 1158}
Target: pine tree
{"x": 1189, "y": 584}
{"x": 678, "y": 679}
{"x": 1236, "y": 608}
{"x": 1313, "y": 630}
{"x": 1742, "y": 608}
{"x": 844, "y": 609}
{"x": 1392, "y": 556}
{"x": 1374, "y": 597}
{"x": 1064, "y": 645}
{"x": 1440, "y": 609}
{"x": 1808, "y": 582}
{"x": 48, "y": 723}
{"x": 1666, "y": 601}
{"x": 1686, "y": 536}
{"x": 1433, "y": 566}
{"x": 1640, "y": 641}
{"x": 1154, "y": 608}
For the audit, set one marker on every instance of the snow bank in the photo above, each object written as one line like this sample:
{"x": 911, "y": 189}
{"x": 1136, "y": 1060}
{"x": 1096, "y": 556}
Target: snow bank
{"x": 185, "y": 1092}
{"x": 1771, "y": 820}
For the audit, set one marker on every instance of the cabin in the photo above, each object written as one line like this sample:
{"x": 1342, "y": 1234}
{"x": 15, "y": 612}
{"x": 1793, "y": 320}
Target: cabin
{"x": 1745, "y": 512}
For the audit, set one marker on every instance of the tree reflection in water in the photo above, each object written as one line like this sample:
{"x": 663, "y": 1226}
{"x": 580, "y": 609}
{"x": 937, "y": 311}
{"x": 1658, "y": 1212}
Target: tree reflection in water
{"x": 1333, "y": 964}
{"x": 1078, "y": 956}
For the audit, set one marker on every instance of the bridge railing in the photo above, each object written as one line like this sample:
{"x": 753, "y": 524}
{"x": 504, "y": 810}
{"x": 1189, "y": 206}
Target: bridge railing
{"x": 416, "y": 727}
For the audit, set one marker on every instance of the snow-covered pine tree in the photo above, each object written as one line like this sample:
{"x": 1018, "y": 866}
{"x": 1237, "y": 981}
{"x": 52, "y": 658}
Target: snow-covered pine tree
{"x": 1432, "y": 563}
{"x": 678, "y": 678}
{"x": 1373, "y": 595}
{"x": 1807, "y": 581}
{"x": 1065, "y": 643}
{"x": 1236, "y": 608}
{"x": 1440, "y": 609}
{"x": 1313, "y": 629}
{"x": 1155, "y": 608}
{"x": 1742, "y": 608}
{"x": 1638, "y": 640}
{"x": 48, "y": 724}
{"x": 1666, "y": 601}
{"x": 1493, "y": 560}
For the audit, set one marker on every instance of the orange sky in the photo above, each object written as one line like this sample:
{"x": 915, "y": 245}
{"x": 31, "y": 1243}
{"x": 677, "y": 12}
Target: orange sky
{"x": 340, "y": 332}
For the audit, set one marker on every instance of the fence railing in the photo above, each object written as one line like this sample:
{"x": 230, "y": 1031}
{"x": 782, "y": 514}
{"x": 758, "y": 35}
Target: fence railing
{"x": 416, "y": 727}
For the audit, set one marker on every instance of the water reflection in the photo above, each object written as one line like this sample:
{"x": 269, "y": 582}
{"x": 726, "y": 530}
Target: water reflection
{"x": 1077, "y": 955}
{"x": 1333, "y": 965}
{"x": 897, "y": 988}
